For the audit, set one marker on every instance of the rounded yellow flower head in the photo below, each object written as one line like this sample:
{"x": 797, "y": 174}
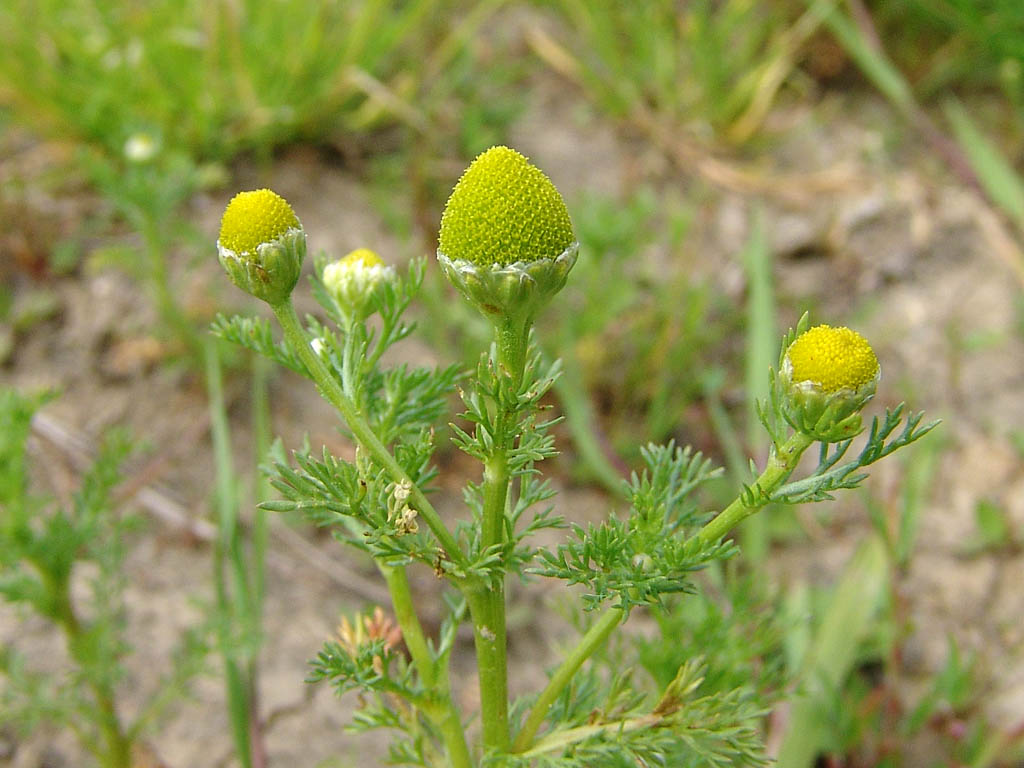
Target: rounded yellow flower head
{"x": 262, "y": 245}
{"x": 832, "y": 359}
{"x": 502, "y": 211}
{"x": 253, "y": 218}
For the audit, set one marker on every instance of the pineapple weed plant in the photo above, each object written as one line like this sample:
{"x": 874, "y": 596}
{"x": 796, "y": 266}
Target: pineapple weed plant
{"x": 507, "y": 244}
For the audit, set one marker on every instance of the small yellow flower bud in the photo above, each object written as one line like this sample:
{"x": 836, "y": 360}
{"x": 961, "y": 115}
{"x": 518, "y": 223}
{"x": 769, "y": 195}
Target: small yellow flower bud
{"x": 828, "y": 375}
{"x": 832, "y": 359}
{"x": 262, "y": 244}
{"x": 256, "y": 217}
{"x": 352, "y": 281}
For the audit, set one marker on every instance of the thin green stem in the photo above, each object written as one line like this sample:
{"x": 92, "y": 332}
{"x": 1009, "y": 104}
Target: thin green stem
{"x": 781, "y": 463}
{"x": 239, "y": 605}
{"x": 168, "y": 307}
{"x": 588, "y": 645}
{"x": 332, "y": 391}
{"x": 117, "y": 750}
{"x": 557, "y": 742}
{"x": 447, "y": 717}
{"x": 412, "y": 630}
{"x": 444, "y": 714}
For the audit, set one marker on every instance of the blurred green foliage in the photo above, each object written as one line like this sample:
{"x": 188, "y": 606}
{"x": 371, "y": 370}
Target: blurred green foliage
{"x": 216, "y": 78}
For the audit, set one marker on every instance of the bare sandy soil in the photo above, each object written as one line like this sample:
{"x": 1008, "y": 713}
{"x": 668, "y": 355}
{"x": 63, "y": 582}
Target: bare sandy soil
{"x": 895, "y": 246}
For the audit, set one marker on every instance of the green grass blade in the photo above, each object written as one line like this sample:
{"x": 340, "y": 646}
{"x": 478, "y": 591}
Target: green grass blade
{"x": 873, "y": 63}
{"x": 761, "y": 351}
{"x": 997, "y": 176}
{"x": 833, "y": 651}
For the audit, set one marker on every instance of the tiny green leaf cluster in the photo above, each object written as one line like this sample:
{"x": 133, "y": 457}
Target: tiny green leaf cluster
{"x": 504, "y": 210}
{"x": 650, "y": 554}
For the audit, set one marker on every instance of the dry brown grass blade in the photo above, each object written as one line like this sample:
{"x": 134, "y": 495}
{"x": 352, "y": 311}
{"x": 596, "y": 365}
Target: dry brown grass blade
{"x": 691, "y": 157}
{"x": 793, "y": 189}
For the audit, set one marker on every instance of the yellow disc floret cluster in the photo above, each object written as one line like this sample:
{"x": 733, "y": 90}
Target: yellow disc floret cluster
{"x": 502, "y": 211}
{"x": 832, "y": 358}
{"x": 253, "y": 218}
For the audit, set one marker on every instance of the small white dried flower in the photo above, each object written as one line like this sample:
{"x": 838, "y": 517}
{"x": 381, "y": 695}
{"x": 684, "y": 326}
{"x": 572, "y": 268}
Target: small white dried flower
{"x": 141, "y": 147}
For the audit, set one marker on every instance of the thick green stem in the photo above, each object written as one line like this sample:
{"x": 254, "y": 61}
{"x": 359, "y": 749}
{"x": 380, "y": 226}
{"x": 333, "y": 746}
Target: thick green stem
{"x": 588, "y": 645}
{"x": 781, "y": 464}
{"x": 487, "y": 612}
{"x": 332, "y": 391}
{"x": 487, "y": 603}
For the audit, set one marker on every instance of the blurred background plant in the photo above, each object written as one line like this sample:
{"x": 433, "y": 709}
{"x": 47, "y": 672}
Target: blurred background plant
{"x": 50, "y": 552}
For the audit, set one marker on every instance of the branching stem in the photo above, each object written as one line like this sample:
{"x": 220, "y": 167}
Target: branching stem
{"x": 445, "y": 715}
{"x": 781, "y": 463}
{"x": 332, "y": 391}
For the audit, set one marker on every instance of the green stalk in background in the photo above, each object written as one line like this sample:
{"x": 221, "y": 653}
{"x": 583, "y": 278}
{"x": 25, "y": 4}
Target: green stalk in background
{"x": 761, "y": 345}
{"x": 238, "y": 580}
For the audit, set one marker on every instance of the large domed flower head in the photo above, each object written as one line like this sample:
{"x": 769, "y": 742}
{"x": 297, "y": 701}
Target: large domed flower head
{"x": 506, "y": 240}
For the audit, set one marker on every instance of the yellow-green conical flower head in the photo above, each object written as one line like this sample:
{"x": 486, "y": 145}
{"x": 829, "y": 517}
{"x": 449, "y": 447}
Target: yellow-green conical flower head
{"x": 828, "y": 374}
{"x": 503, "y": 210}
{"x": 506, "y": 240}
{"x": 262, "y": 244}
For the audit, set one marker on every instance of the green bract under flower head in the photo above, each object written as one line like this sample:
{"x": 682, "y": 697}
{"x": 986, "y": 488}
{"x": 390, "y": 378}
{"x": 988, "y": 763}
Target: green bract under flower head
{"x": 262, "y": 244}
{"x": 832, "y": 359}
{"x": 502, "y": 211}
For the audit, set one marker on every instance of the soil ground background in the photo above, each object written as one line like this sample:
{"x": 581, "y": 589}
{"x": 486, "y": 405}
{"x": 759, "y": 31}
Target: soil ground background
{"x": 895, "y": 246}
